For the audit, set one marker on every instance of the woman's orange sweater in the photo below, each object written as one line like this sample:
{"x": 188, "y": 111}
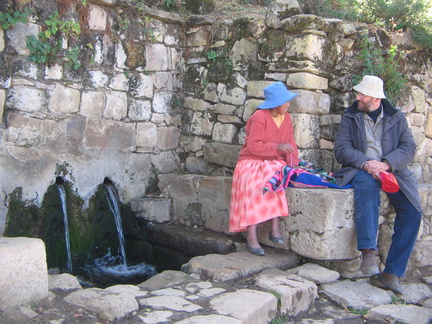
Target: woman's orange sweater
{"x": 263, "y": 137}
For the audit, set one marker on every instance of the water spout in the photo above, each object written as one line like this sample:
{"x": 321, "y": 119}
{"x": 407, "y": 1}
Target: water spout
{"x": 113, "y": 200}
{"x": 62, "y": 193}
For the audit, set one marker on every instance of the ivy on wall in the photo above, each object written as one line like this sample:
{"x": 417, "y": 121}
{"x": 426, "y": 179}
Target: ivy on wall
{"x": 51, "y": 43}
{"x": 8, "y": 20}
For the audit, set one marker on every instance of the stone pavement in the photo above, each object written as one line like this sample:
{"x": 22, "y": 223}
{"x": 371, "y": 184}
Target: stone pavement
{"x": 233, "y": 288}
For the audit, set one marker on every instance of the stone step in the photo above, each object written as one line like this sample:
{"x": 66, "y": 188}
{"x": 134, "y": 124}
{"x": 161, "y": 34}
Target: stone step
{"x": 238, "y": 265}
{"x": 191, "y": 241}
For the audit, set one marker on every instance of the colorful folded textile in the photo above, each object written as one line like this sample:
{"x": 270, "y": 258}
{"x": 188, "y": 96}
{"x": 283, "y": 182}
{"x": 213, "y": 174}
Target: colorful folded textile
{"x": 389, "y": 182}
{"x": 298, "y": 178}
{"x": 279, "y": 181}
{"x": 312, "y": 168}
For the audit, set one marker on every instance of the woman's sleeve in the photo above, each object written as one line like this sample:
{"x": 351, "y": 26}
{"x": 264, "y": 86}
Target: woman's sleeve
{"x": 257, "y": 142}
{"x": 291, "y": 159}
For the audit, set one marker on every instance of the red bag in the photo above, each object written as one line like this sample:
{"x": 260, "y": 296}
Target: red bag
{"x": 389, "y": 182}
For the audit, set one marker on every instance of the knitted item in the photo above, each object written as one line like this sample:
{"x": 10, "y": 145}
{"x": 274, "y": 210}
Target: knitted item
{"x": 320, "y": 172}
{"x": 300, "y": 178}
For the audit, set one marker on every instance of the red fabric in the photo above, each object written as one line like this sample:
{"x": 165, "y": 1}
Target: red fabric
{"x": 263, "y": 137}
{"x": 389, "y": 182}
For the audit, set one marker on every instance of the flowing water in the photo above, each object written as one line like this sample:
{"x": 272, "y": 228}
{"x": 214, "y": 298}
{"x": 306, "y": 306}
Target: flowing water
{"x": 112, "y": 268}
{"x": 115, "y": 210}
{"x": 62, "y": 194}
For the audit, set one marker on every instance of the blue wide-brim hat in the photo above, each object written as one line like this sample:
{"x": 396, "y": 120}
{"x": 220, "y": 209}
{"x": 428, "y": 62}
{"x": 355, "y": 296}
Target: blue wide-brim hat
{"x": 276, "y": 94}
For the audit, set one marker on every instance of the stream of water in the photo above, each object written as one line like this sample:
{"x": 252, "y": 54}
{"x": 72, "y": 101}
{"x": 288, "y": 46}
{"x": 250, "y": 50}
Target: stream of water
{"x": 115, "y": 210}
{"x": 62, "y": 194}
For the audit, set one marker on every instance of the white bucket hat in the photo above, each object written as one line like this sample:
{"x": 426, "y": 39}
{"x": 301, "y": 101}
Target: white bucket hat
{"x": 371, "y": 86}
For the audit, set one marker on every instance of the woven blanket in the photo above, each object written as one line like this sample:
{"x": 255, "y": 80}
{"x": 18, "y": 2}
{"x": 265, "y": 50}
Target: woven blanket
{"x": 298, "y": 178}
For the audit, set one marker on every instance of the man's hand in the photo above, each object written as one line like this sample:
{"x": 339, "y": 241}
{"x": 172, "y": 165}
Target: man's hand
{"x": 374, "y": 167}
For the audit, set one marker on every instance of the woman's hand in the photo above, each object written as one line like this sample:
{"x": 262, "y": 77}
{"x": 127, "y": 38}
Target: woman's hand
{"x": 287, "y": 148}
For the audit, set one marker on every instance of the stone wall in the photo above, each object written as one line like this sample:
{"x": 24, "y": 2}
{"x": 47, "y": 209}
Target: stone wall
{"x": 171, "y": 94}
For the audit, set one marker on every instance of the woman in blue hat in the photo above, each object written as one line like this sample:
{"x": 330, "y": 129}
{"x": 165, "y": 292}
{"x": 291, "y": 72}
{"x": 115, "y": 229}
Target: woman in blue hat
{"x": 269, "y": 146}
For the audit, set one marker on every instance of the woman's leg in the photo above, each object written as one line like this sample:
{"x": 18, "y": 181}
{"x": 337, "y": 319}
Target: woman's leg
{"x": 275, "y": 227}
{"x": 252, "y": 236}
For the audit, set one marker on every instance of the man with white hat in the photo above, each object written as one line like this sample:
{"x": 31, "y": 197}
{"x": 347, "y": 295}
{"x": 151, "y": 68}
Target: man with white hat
{"x": 374, "y": 137}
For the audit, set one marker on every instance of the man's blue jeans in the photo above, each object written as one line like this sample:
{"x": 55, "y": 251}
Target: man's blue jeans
{"x": 406, "y": 225}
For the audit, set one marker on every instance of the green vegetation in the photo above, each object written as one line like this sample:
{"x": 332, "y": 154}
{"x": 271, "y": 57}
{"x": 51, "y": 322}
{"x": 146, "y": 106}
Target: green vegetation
{"x": 361, "y": 312}
{"x": 278, "y": 296}
{"x": 169, "y": 3}
{"x": 212, "y": 55}
{"x": 385, "y": 65}
{"x": 257, "y": 2}
{"x": 414, "y": 16}
{"x": 147, "y": 31}
{"x": 124, "y": 23}
{"x": 48, "y": 46}
{"x": 8, "y": 20}
{"x": 221, "y": 65}
{"x": 279, "y": 320}
{"x": 72, "y": 57}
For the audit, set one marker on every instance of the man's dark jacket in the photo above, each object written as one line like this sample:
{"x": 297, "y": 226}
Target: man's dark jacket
{"x": 398, "y": 148}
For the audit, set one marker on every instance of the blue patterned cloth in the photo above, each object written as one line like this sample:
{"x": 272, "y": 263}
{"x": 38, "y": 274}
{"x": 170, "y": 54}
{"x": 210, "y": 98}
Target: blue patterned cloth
{"x": 298, "y": 178}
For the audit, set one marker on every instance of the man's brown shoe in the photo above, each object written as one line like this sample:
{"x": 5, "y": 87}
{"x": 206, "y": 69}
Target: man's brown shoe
{"x": 391, "y": 282}
{"x": 369, "y": 266}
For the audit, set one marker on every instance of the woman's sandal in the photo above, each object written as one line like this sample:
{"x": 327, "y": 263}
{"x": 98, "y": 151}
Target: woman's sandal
{"x": 258, "y": 251}
{"x": 277, "y": 240}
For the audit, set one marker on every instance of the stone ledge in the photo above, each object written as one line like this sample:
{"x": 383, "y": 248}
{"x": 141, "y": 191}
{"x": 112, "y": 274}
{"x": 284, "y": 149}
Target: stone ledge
{"x": 321, "y": 225}
{"x": 23, "y": 271}
{"x": 321, "y": 220}
{"x": 190, "y": 240}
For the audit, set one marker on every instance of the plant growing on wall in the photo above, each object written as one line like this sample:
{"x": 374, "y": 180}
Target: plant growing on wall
{"x": 147, "y": 31}
{"x": 221, "y": 63}
{"x": 212, "y": 55}
{"x": 413, "y": 16}
{"x": 385, "y": 65}
{"x": 8, "y": 20}
{"x": 169, "y": 3}
{"x": 51, "y": 43}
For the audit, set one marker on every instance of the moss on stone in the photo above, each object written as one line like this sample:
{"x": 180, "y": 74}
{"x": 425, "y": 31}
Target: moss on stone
{"x": 190, "y": 81}
{"x": 275, "y": 42}
{"x": 241, "y": 28}
{"x": 134, "y": 52}
{"x": 22, "y": 219}
{"x": 218, "y": 73}
{"x": 92, "y": 232}
{"x": 256, "y": 71}
{"x": 194, "y": 214}
{"x": 200, "y": 7}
